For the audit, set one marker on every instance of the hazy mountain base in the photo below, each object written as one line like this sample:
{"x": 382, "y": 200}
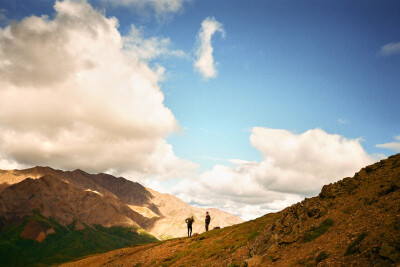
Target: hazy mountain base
{"x": 354, "y": 222}
{"x": 18, "y": 246}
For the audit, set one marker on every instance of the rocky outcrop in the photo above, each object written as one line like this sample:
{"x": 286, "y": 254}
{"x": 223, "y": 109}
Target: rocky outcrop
{"x": 35, "y": 230}
{"x": 364, "y": 209}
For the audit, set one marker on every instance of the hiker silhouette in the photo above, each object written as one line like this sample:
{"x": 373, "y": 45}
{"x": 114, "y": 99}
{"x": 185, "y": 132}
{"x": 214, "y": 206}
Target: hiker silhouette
{"x": 207, "y": 220}
{"x": 189, "y": 221}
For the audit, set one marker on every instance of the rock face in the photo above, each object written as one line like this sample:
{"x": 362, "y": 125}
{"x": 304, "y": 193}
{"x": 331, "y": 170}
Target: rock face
{"x": 64, "y": 202}
{"x": 353, "y": 222}
{"x": 37, "y": 231}
{"x": 97, "y": 199}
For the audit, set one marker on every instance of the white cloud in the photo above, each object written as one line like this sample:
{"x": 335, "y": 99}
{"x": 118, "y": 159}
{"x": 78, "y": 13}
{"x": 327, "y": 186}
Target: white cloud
{"x": 148, "y": 49}
{"x": 395, "y": 146}
{"x": 341, "y": 121}
{"x": 205, "y": 64}
{"x": 9, "y": 164}
{"x": 76, "y": 94}
{"x": 234, "y": 161}
{"x": 160, "y": 7}
{"x": 390, "y": 49}
{"x": 294, "y": 166}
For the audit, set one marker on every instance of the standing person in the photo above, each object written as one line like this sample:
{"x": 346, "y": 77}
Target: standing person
{"x": 208, "y": 219}
{"x": 189, "y": 221}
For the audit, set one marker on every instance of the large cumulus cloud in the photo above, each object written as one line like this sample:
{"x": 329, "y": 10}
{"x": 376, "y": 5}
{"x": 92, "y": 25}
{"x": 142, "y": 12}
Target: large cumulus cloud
{"x": 74, "y": 93}
{"x": 294, "y": 166}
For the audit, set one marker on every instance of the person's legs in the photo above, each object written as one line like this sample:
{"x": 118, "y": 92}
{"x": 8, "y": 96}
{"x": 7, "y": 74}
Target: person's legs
{"x": 190, "y": 231}
{"x": 207, "y": 227}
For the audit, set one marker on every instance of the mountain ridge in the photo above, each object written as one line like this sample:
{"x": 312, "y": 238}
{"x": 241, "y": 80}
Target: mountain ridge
{"x": 130, "y": 200}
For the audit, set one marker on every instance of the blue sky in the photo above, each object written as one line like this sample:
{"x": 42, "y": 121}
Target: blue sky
{"x": 285, "y": 64}
{"x": 289, "y": 65}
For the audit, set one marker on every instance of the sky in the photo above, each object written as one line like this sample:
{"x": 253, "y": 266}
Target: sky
{"x": 247, "y": 106}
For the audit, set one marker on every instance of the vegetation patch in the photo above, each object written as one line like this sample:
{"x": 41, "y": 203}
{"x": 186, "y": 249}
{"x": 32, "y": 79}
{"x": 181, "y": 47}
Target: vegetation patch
{"x": 348, "y": 210}
{"x": 196, "y": 245}
{"x": 370, "y": 201}
{"x": 65, "y": 244}
{"x": 306, "y": 262}
{"x": 165, "y": 237}
{"x": 153, "y": 262}
{"x": 317, "y": 231}
{"x": 176, "y": 257}
{"x": 253, "y": 235}
{"x": 388, "y": 190}
{"x": 353, "y": 247}
{"x": 369, "y": 169}
{"x": 237, "y": 245}
{"x": 321, "y": 256}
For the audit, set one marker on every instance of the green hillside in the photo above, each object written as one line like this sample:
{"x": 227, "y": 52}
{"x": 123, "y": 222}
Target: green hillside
{"x": 65, "y": 244}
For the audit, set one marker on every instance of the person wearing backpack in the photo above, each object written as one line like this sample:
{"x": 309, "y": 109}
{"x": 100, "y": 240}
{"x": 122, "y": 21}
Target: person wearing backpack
{"x": 207, "y": 220}
{"x": 189, "y": 221}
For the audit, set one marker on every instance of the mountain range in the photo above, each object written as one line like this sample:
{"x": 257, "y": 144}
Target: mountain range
{"x": 40, "y": 202}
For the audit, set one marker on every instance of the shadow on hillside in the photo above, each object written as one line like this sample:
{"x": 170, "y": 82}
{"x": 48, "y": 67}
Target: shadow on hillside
{"x": 3, "y": 186}
{"x": 129, "y": 192}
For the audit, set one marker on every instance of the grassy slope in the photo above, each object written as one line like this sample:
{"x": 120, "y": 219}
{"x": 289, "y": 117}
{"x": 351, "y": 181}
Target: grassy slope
{"x": 226, "y": 246}
{"x": 65, "y": 245}
{"x": 354, "y": 222}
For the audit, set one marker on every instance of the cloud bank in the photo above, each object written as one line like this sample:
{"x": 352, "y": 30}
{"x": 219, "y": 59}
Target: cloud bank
{"x": 390, "y": 49}
{"x": 294, "y": 166}
{"x": 76, "y": 94}
{"x": 205, "y": 64}
{"x": 395, "y": 146}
